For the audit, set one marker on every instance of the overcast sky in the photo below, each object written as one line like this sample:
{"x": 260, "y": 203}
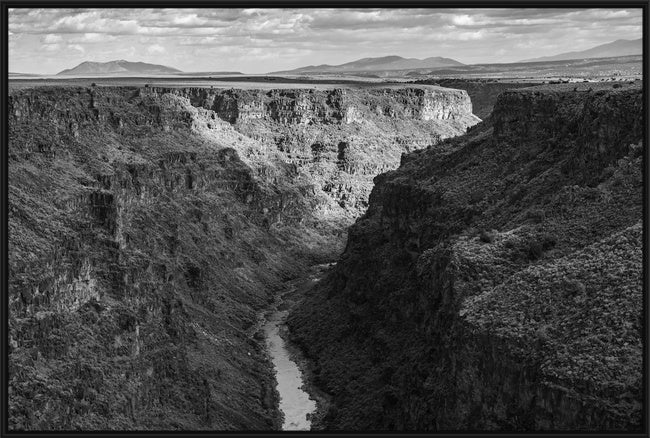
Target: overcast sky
{"x": 263, "y": 40}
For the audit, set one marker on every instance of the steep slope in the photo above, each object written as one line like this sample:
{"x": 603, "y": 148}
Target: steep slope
{"x": 495, "y": 281}
{"x": 615, "y": 48}
{"x": 139, "y": 256}
{"x": 120, "y": 67}
{"x": 340, "y": 138}
{"x": 146, "y": 236}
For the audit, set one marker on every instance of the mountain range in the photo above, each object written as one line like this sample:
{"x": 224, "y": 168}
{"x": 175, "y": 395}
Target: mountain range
{"x": 120, "y": 67}
{"x": 365, "y": 65}
{"x": 377, "y": 64}
{"x": 613, "y": 49}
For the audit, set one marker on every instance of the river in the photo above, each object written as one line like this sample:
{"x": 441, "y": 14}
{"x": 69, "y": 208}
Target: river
{"x": 296, "y": 404}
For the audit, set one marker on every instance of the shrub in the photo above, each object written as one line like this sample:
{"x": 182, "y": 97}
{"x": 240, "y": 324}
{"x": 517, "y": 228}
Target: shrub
{"x": 616, "y": 86}
{"x": 636, "y": 150}
{"x": 487, "y": 236}
{"x": 617, "y": 180}
{"x": 542, "y": 333}
{"x": 547, "y": 241}
{"x": 534, "y": 250}
{"x": 536, "y": 215}
{"x": 518, "y": 195}
{"x": 607, "y": 172}
{"x": 531, "y": 250}
{"x": 332, "y": 413}
{"x": 402, "y": 258}
{"x": 572, "y": 288}
{"x": 475, "y": 197}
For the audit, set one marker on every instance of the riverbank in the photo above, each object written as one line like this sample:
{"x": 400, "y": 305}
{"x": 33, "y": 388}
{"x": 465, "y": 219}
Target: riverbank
{"x": 300, "y": 404}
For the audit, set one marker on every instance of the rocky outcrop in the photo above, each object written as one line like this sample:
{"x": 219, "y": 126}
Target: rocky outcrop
{"x": 304, "y": 106}
{"x": 494, "y": 282}
{"x": 482, "y": 92}
{"x": 364, "y": 131}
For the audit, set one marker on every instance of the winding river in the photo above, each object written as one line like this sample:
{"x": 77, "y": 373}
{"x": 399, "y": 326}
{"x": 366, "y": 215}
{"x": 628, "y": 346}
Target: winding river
{"x": 296, "y": 404}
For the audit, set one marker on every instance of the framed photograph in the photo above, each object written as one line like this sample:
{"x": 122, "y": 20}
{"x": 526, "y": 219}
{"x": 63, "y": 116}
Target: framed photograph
{"x": 395, "y": 219}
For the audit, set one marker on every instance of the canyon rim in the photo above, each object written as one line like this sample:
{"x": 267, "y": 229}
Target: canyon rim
{"x": 426, "y": 231}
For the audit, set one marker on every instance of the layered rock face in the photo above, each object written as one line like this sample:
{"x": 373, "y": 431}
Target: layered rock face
{"x": 147, "y": 232}
{"x": 482, "y": 92}
{"x": 495, "y": 281}
{"x": 309, "y": 106}
{"x": 341, "y": 138}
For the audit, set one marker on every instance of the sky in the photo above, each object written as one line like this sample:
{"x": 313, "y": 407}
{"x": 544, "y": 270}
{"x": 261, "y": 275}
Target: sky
{"x": 46, "y": 41}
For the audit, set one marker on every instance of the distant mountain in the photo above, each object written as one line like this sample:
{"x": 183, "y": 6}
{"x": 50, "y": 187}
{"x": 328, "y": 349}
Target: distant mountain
{"x": 22, "y": 74}
{"x": 210, "y": 73}
{"x": 120, "y": 67}
{"x": 615, "y": 48}
{"x": 377, "y": 64}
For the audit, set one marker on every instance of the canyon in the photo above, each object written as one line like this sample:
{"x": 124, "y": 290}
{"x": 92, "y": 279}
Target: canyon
{"x": 487, "y": 276}
{"x": 376, "y": 220}
{"x": 150, "y": 227}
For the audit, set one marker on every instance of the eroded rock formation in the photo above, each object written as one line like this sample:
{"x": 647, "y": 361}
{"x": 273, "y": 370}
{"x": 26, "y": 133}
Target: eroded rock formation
{"x": 495, "y": 281}
{"x": 341, "y": 138}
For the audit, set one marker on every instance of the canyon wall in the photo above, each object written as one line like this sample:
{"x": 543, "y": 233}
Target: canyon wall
{"x": 482, "y": 92}
{"x": 340, "y": 137}
{"x": 495, "y": 281}
{"x": 148, "y": 228}
{"x": 139, "y": 258}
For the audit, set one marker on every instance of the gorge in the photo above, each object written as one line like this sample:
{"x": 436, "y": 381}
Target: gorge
{"x": 488, "y": 274}
{"x": 150, "y": 227}
{"x": 373, "y": 219}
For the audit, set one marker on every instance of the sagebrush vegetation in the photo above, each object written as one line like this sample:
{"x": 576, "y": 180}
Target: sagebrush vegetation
{"x": 495, "y": 282}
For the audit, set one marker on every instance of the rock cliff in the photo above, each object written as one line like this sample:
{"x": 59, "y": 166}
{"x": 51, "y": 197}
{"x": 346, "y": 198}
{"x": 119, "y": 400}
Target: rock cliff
{"x": 341, "y": 137}
{"x": 495, "y": 281}
{"x": 149, "y": 227}
{"x": 482, "y": 92}
{"x": 139, "y": 256}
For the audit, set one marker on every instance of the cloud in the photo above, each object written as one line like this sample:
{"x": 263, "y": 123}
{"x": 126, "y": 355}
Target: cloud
{"x": 155, "y": 48}
{"x": 51, "y": 39}
{"x": 190, "y": 20}
{"x": 92, "y": 37}
{"x": 462, "y": 20}
{"x": 52, "y": 47}
{"x": 76, "y": 47}
{"x": 230, "y": 38}
{"x": 612, "y": 14}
